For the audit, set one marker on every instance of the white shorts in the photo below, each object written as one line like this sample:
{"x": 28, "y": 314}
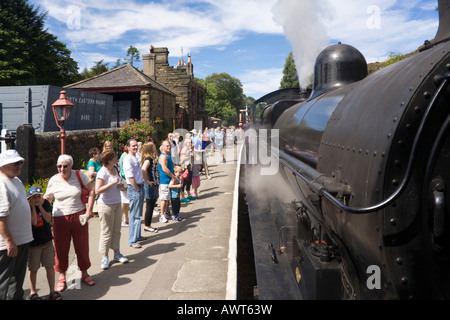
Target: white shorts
{"x": 124, "y": 197}
{"x": 164, "y": 192}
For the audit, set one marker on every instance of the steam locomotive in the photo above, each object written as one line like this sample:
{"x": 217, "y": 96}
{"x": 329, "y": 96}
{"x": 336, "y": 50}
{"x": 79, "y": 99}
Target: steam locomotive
{"x": 366, "y": 162}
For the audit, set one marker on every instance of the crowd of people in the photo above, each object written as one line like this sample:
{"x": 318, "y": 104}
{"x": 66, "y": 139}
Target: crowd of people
{"x": 37, "y": 227}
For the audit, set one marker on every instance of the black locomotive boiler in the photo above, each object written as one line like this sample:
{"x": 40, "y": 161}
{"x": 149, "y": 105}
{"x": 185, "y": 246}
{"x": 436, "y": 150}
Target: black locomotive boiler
{"x": 360, "y": 208}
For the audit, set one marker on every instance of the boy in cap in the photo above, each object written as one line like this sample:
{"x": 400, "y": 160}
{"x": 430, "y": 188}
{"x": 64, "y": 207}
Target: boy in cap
{"x": 41, "y": 248}
{"x": 15, "y": 227}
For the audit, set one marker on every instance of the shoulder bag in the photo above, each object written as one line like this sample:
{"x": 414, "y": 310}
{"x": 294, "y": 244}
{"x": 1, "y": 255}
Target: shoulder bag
{"x": 84, "y": 191}
{"x": 122, "y": 183}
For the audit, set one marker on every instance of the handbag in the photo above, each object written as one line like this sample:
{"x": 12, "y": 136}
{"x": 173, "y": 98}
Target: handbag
{"x": 84, "y": 191}
{"x": 123, "y": 186}
{"x": 185, "y": 174}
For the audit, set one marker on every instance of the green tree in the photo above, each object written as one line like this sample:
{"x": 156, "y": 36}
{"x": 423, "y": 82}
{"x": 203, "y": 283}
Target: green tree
{"x": 133, "y": 54}
{"x": 101, "y": 66}
{"x": 97, "y": 69}
{"x": 224, "y": 97}
{"x": 118, "y": 63}
{"x": 30, "y": 55}
{"x": 290, "y": 76}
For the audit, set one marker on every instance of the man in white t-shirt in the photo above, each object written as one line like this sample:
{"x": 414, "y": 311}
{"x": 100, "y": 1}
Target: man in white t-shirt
{"x": 135, "y": 191}
{"x": 15, "y": 227}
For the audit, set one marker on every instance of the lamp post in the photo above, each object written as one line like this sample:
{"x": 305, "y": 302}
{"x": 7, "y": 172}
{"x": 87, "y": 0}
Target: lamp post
{"x": 62, "y": 108}
{"x": 240, "y": 116}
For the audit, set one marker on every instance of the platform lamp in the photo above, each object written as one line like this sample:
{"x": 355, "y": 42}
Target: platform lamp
{"x": 62, "y": 108}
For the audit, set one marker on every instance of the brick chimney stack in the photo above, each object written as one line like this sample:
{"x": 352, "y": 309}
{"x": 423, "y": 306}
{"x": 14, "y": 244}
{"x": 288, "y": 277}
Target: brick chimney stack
{"x": 190, "y": 66}
{"x": 149, "y": 62}
{"x": 157, "y": 56}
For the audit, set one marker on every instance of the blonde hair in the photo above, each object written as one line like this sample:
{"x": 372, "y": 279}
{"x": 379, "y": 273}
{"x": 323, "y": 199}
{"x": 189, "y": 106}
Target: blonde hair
{"x": 148, "y": 150}
{"x": 187, "y": 141}
{"x": 177, "y": 169}
{"x": 106, "y": 144}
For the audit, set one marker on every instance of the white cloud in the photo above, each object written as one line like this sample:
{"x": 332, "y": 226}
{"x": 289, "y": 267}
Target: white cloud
{"x": 206, "y": 23}
{"x": 375, "y": 27}
{"x": 174, "y": 24}
{"x": 257, "y": 83}
{"x": 380, "y": 27}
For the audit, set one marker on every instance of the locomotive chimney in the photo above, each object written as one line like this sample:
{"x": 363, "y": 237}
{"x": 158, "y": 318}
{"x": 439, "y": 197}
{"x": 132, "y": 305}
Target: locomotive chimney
{"x": 443, "y": 33}
{"x": 444, "y": 21}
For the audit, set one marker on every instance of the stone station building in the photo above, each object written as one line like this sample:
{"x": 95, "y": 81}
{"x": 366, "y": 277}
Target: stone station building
{"x": 159, "y": 93}
{"x": 135, "y": 96}
{"x": 190, "y": 95}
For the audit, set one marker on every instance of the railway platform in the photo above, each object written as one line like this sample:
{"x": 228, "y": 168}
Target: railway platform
{"x": 194, "y": 259}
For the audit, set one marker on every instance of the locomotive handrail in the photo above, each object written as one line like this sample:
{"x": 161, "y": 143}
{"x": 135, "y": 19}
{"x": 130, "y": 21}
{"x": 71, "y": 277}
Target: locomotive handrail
{"x": 394, "y": 196}
{"x": 316, "y": 180}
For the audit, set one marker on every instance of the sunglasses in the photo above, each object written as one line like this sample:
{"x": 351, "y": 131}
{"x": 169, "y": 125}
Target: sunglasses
{"x": 59, "y": 166}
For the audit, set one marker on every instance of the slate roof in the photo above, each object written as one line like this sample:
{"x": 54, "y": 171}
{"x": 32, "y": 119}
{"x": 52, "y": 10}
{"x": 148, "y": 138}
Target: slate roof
{"x": 124, "y": 77}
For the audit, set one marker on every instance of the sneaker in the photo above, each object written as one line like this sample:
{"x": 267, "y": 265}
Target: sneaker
{"x": 136, "y": 245}
{"x": 142, "y": 239}
{"x": 155, "y": 213}
{"x": 177, "y": 218}
{"x": 120, "y": 258}
{"x": 124, "y": 224}
{"x": 185, "y": 200}
{"x": 105, "y": 263}
{"x": 162, "y": 219}
{"x": 155, "y": 230}
{"x": 192, "y": 198}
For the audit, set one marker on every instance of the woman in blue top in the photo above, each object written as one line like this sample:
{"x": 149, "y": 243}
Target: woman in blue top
{"x": 94, "y": 164}
{"x": 166, "y": 174}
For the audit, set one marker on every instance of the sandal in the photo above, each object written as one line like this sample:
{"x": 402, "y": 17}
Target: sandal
{"x": 88, "y": 280}
{"x": 34, "y": 296}
{"x": 55, "y": 296}
{"x": 62, "y": 285}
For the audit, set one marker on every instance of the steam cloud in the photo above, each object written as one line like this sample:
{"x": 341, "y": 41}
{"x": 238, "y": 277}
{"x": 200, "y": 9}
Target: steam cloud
{"x": 303, "y": 25}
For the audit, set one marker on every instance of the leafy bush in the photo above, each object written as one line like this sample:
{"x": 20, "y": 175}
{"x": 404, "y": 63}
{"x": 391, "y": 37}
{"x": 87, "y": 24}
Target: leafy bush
{"x": 39, "y": 182}
{"x": 139, "y": 130}
{"x": 105, "y": 135}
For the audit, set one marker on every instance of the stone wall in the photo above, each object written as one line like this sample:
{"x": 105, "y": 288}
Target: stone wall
{"x": 157, "y": 104}
{"x": 48, "y": 148}
{"x": 41, "y": 150}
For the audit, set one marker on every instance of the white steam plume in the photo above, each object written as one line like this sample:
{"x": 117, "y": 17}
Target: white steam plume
{"x": 304, "y": 27}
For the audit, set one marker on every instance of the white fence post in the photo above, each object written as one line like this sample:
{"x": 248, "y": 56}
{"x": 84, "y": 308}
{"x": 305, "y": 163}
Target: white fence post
{"x": 3, "y": 142}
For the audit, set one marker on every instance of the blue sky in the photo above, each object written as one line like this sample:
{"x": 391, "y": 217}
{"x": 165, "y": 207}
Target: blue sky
{"x": 248, "y": 39}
